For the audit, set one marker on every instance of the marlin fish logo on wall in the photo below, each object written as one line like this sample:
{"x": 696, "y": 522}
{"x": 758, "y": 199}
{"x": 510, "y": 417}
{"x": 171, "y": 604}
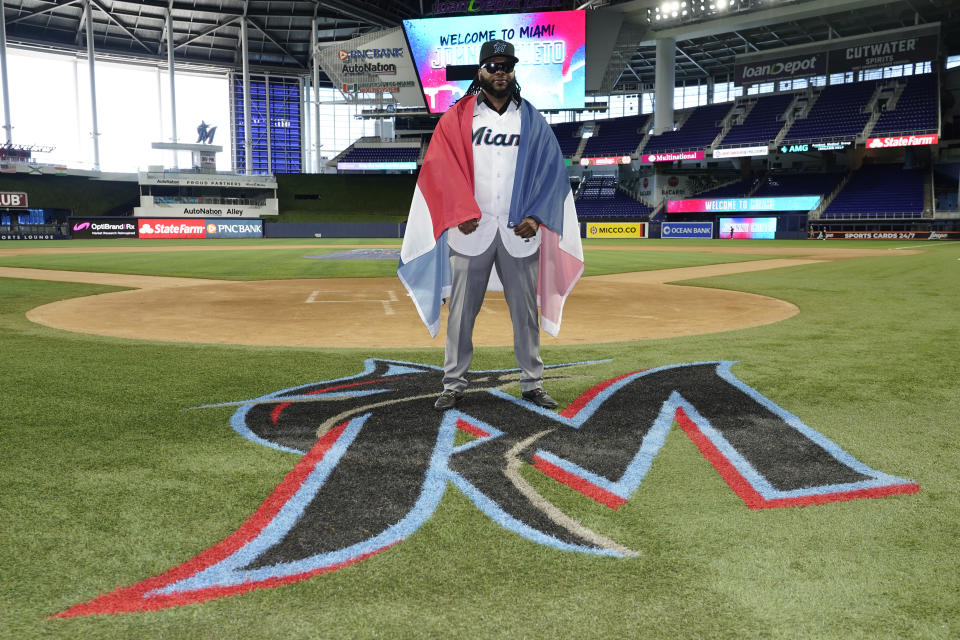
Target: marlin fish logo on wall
{"x": 376, "y": 461}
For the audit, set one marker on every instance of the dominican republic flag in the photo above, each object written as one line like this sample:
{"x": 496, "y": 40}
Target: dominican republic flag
{"x": 444, "y": 198}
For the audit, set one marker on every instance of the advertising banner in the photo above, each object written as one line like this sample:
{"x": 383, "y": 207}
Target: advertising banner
{"x": 686, "y": 230}
{"x": 13, "y": 200}
{"x": 890, "y": 235}
{"x": 200, "y": 210}
{"x": 234, "y": 228}
{"x": 902, "y": 141}
{"x": 206, "y": 180}
{"x": 741, "y": 152}
{"x": 616, "y": 230}
{"x": 656, "y": 188}
{"x": 376, "y": 166}
{"x": 373, "y": 64}
{"x": 17, "y": 235}
{"x": 909, "y": 45}
{"x": 604, "y": 162}
{"x": 797, "y": 66}
{"x": 551, "y": 47}
{"x": 893, "y": 50}
{"x": 815, "y": 146}
{"x": 670, "y": 157}
{"x": 748, "y": 228}
{"x": 162, "y": 228}
{"x": 831, "y": 146}
{"x": 102, "y": 228}
{"x": 724, "y": 205}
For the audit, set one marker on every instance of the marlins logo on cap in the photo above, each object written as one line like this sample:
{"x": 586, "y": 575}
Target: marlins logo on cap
{"x": 497, "y": 48}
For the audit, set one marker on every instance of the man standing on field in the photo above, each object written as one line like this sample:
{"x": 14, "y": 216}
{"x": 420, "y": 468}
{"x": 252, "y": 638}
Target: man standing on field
{"x": 492, "y": 192}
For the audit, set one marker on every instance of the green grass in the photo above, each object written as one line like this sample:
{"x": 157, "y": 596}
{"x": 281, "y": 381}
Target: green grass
{"x": 108, "y": 479}
{"x": 282, "y": 263}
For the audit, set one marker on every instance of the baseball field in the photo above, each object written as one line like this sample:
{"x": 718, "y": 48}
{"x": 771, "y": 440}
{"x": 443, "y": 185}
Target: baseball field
{"x": 235, "y": 439}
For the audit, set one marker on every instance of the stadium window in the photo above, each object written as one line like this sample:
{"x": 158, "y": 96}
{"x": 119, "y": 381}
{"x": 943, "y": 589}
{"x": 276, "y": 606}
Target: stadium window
{"x": 601, "y": 115}
{"x": 794, "y": 85}
{"x": 953, "y": 61}
{"x": 723, "y": 92}
{"x": 692, "y": 96}
{"x": 841, "y": 78}
{"x": 615, "y": 106}
{"x": 646, "y": 105}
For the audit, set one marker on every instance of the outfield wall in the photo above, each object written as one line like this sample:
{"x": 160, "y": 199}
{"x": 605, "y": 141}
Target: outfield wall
{"x": 333, "y": 230}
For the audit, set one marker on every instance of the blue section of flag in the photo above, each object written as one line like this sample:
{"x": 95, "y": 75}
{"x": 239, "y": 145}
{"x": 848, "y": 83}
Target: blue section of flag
{"x": 427, "y": 279}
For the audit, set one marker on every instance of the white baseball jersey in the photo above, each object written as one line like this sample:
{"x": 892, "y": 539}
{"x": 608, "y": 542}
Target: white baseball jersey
{"x": 496, "y": 141}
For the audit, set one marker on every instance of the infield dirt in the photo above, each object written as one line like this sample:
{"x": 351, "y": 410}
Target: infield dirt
{"x": 375, "y": 312}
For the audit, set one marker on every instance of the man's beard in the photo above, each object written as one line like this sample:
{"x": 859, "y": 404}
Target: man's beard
{"x": 506, "y": 92}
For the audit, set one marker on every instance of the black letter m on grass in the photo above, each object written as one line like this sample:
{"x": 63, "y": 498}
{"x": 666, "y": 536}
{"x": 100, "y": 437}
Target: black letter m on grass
{"x": 375, "y": 461}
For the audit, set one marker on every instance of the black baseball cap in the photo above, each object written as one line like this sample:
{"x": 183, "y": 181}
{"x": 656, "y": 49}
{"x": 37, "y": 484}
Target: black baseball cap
{"x": 494, "y": 48}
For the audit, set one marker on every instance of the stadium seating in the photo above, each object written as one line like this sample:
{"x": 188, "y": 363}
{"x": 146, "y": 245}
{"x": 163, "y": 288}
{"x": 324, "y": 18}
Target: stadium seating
{"x": 762, "y": 124}
{"x": 566, "y": 133}
{"x": 802, "y": 184}
{"x": 698, "y": 132}
{"x": 599, "y": 198}
{"x": 836, "y": 115}
{"x": 880, "y": 191}
{"x": 738, "y": 189}
{"x": 616, "y": 137}
{"x": 381, "y": 154}
{"x": 915, "y": 110}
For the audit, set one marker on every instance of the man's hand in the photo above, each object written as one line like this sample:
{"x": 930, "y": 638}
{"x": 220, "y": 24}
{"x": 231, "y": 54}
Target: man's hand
{"x": 468, "y": 226}
{"x": 527, "y": 228}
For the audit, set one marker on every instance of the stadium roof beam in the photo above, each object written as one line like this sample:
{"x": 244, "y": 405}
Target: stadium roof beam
{"x": 753, "y": 19}
{"x": 208, "y": 32}
{"x": 747, "y": 42}
{"x": 34, "y": 14}
{"x": 114, "y": 20}
{"x": 684, "y": 54}
{"x": 82, "y": 26}
{"x": 283, "y": 49}
{"x": 353, "y": 11}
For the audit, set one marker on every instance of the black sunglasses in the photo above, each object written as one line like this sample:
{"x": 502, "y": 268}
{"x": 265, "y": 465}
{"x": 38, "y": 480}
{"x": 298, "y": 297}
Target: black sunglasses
{"x": 493, "y": 67}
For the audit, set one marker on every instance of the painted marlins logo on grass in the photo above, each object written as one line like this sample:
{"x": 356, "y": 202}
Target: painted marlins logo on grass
{"x": 375, "y": 461}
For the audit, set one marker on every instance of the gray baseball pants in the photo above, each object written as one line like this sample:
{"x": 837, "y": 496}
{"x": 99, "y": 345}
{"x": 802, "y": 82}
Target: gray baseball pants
{"x": 470, "y": 275}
